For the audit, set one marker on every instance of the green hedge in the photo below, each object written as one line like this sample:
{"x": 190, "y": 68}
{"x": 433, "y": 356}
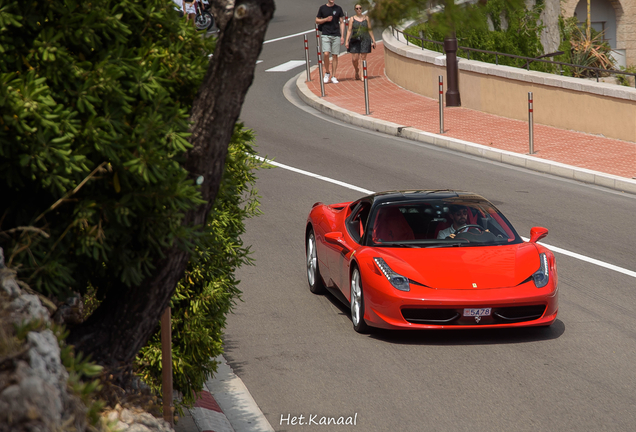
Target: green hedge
{"x": 94, "y": 106}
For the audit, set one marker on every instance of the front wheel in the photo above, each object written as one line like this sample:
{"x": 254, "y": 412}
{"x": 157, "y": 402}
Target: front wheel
{"x": 314, "y": 279}
{"x": 204, "y": 20}
{"x": 357, "y": 303}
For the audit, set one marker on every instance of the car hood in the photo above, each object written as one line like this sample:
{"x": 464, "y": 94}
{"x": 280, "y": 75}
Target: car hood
{"x": 483, "y": 267}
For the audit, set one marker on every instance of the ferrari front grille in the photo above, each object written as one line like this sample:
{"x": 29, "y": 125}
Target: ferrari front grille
{"x": 452, "y": 317}
{"x": 430, "y": 316}
{"x": 520, "y": 313}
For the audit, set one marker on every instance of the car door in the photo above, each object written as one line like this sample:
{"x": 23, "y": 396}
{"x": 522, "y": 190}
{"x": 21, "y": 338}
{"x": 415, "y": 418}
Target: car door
{"x": 354, "y": 226}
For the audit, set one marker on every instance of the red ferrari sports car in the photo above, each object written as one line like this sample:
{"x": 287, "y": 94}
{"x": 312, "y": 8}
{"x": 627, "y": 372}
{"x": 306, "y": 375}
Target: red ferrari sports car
{"x": 430, "y": 260}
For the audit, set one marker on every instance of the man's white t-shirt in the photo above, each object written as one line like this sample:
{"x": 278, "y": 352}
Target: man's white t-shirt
{"x": 446, "y": 232}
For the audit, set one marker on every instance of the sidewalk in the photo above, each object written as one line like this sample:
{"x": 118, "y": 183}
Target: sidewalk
{"x": 590, "y": 158}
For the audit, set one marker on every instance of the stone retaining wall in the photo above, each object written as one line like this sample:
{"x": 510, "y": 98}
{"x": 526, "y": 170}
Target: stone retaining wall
{"x": 563, "y": 102}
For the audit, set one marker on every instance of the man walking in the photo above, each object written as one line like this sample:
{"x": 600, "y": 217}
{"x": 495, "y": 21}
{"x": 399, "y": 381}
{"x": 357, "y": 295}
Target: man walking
{"x": 331, "y": 24}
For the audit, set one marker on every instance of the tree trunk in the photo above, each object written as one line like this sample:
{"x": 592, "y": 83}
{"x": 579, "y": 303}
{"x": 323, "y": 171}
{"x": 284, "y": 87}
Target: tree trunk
{"x": 123, "y": 323}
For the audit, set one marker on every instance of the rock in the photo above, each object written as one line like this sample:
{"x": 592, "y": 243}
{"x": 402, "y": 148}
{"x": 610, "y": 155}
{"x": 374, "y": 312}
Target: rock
{"x": 28, "y": 305}
{"x": 9, "y": 285}
{"x": 45, "y": 362}
{"x": 31, "y": 400}
{"x": 138, "y": 428}
{"x": 126, "y": 416}
{"x": 34, "y": 393}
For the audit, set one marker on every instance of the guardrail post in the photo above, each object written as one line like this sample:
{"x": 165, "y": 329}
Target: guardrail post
{"x": 441, "y": 104}
{"x": 531, "y": 122}
{"x": 366, "y": 86}
{"x": 307, "y": 62}
{"x": 322, "y": 84}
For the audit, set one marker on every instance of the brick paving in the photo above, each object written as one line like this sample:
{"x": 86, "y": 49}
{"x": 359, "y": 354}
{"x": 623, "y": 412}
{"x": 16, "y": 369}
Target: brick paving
{"x": 390, "y": 102}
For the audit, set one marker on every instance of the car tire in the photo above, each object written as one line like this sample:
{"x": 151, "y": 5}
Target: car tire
{"x": 316, "y": 285}
{"x": 357, "y": 303}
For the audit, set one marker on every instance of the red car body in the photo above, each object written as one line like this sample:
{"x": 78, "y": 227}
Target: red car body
{"x": 485, "y": 276}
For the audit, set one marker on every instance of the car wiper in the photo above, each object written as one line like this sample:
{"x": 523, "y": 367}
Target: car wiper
{"x": 447, "y": 244}
{"x": 396, "y": 244}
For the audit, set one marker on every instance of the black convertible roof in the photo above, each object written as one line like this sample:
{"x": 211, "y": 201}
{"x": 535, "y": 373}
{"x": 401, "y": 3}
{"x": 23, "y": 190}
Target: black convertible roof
{"x": 419, "y": 195}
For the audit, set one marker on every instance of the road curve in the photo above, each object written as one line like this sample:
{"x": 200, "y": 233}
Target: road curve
{"x": 297, "y": 352}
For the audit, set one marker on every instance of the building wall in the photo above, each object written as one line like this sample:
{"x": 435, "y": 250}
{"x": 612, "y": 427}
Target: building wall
{"x": 625, "y": 28}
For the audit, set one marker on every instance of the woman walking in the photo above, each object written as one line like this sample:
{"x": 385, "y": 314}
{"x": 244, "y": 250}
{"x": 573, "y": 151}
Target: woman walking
{"x": 359, "y": 38}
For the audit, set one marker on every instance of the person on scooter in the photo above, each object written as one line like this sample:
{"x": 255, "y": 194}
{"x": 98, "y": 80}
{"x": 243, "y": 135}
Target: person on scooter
{"x": 189, "y": 10}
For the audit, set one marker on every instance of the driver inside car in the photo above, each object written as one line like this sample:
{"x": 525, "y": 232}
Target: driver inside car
{"x": 459, "y": 216}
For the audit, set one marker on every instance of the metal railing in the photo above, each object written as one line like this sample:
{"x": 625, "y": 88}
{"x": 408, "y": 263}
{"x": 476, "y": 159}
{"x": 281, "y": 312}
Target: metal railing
{"x": 597, "y": 71}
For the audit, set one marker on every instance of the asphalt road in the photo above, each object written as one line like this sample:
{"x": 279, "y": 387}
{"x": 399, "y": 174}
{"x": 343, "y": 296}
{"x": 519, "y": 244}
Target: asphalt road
{"x": 298, "y": 354}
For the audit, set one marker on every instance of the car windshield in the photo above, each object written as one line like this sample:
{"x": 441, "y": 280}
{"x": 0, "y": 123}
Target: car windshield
{"x": 453, "y": 222}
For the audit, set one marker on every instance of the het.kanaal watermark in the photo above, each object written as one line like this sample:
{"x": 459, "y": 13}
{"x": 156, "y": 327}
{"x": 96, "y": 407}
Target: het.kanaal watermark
{"x": 318, "y": 420}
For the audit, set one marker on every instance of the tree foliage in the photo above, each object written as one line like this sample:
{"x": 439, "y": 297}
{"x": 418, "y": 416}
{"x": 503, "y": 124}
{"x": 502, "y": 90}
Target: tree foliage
{"x": 94, "y": 106}
{"x": 494, "y": 27}
{"x": 445, "y": 16}
{"x": 109, "y": 112}
{"x": 209, "y": 289}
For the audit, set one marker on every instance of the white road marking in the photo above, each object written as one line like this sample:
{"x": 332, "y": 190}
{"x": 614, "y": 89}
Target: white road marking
{"x": 290, "y": 36}
{"x": 317, "y": 176}
{"x": 292, "y": 64}
{"x": 588, "y": 259}
{"x": 366, "y": 191}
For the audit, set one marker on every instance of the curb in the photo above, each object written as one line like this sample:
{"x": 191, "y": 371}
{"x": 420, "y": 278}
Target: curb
{"x": 226, "y": 405}
{"x": 597, "y": 178}
{"x": 208, "y": 415}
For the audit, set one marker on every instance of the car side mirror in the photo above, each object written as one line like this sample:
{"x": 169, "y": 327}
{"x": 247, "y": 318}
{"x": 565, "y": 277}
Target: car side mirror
{"x": 537, "y": 233}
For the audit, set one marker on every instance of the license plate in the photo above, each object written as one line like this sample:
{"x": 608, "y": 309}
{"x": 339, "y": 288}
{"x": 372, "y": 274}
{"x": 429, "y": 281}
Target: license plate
{"x": 477, "y": 312}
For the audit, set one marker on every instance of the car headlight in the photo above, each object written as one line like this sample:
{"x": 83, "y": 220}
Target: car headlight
{"x": 542, "y": 276}
{"x": 397, "y": 280}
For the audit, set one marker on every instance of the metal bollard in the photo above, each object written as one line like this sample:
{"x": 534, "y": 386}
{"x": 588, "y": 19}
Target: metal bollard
{"x": 307, "y": 59}
{"x": 531, "y": 122}
{"x": 317, "y": 37}
{"x": 441, "y": 104}
{"x": 322, "y": 84}
{"x": 366, "y": 86}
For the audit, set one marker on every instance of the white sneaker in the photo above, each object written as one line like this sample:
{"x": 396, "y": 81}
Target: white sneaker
{"x": 326, "y": 78}
{"x": 334, "y": 80}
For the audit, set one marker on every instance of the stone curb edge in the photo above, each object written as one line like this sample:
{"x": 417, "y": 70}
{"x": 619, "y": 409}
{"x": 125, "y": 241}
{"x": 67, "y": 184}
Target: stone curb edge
{"x": 517, "y": 159}
{"x": 208, "y": 415}
{"x": 226, "y": 405}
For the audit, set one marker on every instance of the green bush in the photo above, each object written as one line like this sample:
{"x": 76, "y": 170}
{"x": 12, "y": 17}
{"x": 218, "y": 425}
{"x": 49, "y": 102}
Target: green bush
{"x": 94, "y": 106}
{"x": 209, "y": 289}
